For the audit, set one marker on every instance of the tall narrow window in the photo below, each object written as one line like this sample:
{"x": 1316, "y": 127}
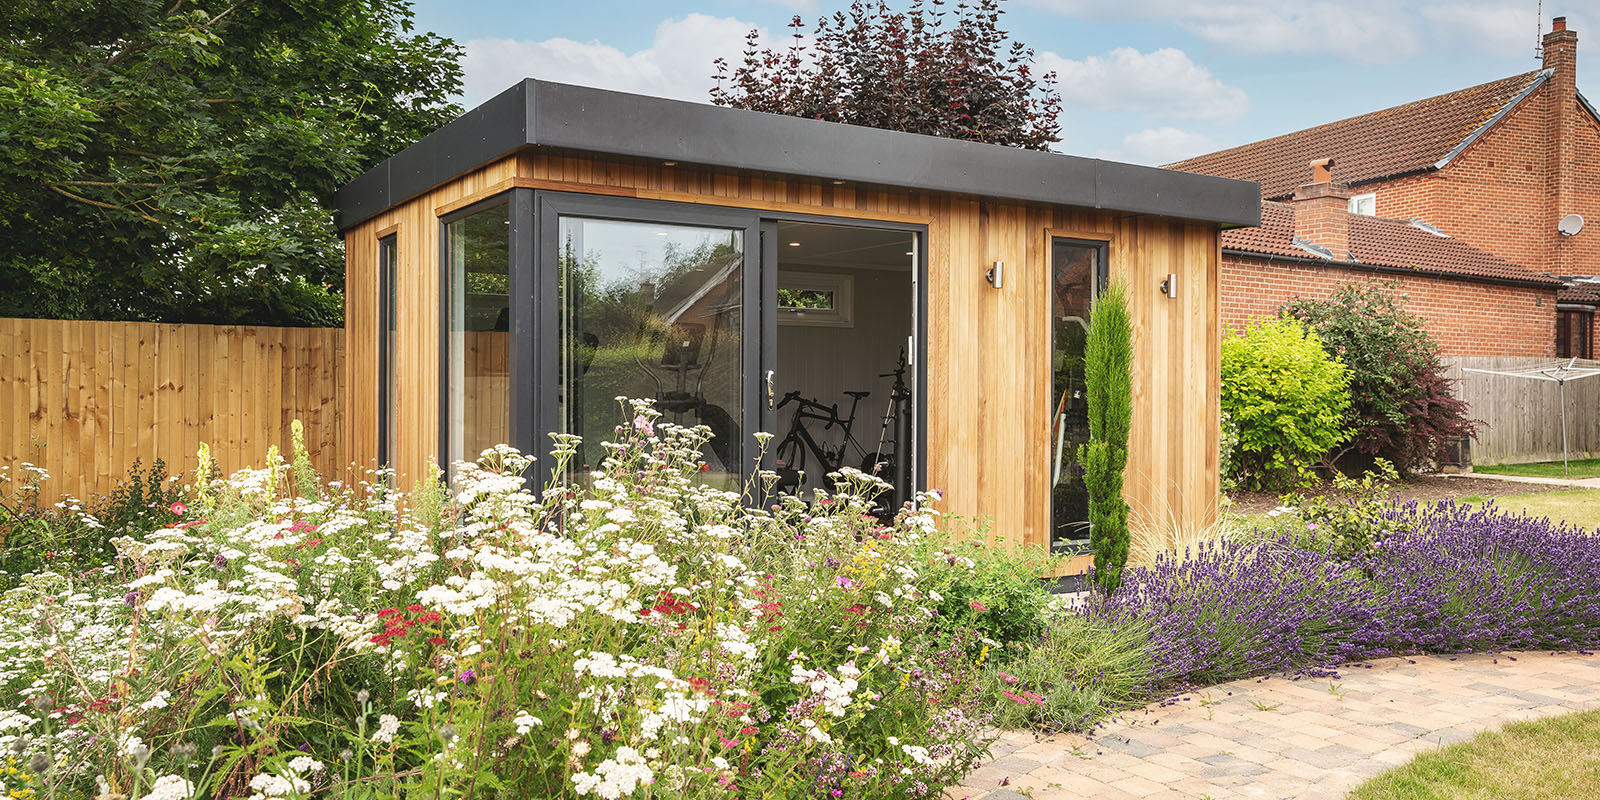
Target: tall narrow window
{"x": 478, "y": 335}
{"x": 1077, "y": 270}
{"x": 386, "y": 350}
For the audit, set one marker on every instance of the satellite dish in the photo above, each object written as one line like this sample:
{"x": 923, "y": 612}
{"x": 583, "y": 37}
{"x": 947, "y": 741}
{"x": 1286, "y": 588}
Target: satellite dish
{"x": 1570, "y": 225}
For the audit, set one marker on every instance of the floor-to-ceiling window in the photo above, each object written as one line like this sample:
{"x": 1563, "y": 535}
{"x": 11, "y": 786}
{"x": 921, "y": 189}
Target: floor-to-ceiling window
{"x": 386, "y": 350}
{"x": 1077, "y": 269}
{"x": 655, "y": 311}
{"x": 478, "y": 340}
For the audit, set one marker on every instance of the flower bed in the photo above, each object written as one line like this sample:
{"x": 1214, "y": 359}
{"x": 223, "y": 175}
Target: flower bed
{"x": 632, "y": 633}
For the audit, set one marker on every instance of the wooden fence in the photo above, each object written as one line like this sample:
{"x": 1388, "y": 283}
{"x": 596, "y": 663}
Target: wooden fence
{"x": 83, "y": 400}
{"x": 1522, "y": 417}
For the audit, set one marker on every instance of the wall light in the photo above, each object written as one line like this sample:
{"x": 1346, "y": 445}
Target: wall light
{"x": 1169, "y": 287}
{"x": 996, "y": 275}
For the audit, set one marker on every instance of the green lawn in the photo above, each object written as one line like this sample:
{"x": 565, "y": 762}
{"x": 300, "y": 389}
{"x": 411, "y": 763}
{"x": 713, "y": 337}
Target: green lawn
{"x": 1548, "y": 759}
{"x": 1580, "y": 468}
{"x": 1580, "y": 507}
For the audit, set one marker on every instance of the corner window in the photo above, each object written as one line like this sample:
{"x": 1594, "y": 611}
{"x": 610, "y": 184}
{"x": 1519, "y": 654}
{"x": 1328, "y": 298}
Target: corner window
{"x": 1078, "y": 269}
{"x": 1365, "y": 204}
{"x": 477, "y": 380}
{"x": 386, "y": 350}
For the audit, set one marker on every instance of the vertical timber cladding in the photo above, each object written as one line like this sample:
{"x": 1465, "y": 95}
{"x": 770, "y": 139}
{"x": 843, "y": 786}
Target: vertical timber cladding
{"x": 988, "y": 349}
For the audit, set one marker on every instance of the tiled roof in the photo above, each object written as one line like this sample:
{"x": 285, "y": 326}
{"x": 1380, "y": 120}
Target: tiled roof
{"x": 1390, "y": 243}
{"x": 1394, "y": 141}
{"x": 1588, "y": 293}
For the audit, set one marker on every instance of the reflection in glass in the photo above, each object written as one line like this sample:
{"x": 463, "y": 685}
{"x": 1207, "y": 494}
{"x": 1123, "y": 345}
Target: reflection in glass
{"x": 478, "y": 248}
{"x": 1075, "y": 269}
{"x": 652, "y": 311}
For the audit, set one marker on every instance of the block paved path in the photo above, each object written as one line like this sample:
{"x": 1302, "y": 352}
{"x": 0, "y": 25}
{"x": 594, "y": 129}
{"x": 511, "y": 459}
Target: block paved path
{"x": 1281, "y": 738}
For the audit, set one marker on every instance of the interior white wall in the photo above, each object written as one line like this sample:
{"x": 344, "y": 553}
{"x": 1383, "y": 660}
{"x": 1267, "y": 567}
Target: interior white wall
{"x": 822, "y": 362}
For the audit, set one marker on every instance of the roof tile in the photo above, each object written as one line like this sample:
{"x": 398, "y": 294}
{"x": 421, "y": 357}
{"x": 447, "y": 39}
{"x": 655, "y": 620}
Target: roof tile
{"x": 1379, "y": 242}
{"x": 1394, "y": 141}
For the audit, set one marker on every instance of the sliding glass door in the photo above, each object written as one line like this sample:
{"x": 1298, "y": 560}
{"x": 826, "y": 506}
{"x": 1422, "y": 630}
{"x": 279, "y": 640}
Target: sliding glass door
{"x": 659, "y": 302}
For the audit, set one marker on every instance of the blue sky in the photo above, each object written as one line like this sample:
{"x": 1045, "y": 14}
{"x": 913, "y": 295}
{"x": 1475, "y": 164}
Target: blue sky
{"x": 1147, "y": 81}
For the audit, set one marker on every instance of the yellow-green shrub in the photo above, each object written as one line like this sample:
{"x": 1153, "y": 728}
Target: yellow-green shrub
{"x": 1287, "y": 398}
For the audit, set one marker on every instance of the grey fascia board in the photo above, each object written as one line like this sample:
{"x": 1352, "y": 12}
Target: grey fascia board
{"x": 538, "y": 113}
{"x": 1538, "y": 81}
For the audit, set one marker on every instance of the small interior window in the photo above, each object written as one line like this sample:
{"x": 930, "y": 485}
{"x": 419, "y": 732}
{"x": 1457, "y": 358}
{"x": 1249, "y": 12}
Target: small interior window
{"x": 1365, "y": 204}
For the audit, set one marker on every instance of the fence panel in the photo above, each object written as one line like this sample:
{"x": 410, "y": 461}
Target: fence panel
{"x": 84, "y": 400}
{"x": 1522, "y": 416}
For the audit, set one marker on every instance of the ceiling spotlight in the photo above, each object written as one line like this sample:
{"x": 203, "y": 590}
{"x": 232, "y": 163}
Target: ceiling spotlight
{"x": 911, "y": 252}
{"x": 669, "y": 163}
{"x": 794, "y": 244}
{"x": 838, "y": 183}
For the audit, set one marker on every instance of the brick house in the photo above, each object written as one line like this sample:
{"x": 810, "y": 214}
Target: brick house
{"x": 1460, "y": 198}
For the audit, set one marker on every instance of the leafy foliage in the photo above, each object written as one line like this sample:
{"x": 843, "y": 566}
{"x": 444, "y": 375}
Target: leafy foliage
{"x": 175, "y": 161}
{"x": 1401, "y": 408}
{"x": 1356, "y": 518}
{"x": 1108, "y": 381}
{"x": 925, "y": 70}
{"x": 1287, "y": 397}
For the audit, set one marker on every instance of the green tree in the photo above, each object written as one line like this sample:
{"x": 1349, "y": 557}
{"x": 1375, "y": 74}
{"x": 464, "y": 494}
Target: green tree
{"x": 1108, "y": 384}
{"x": 175, "y": 161}
{"x": 929, "y": 69}
{"x": 1287, "y": 397}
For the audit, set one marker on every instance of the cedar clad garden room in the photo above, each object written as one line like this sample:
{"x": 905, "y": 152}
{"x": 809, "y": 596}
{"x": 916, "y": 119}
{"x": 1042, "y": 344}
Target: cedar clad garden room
{"x": 873, "y": 299}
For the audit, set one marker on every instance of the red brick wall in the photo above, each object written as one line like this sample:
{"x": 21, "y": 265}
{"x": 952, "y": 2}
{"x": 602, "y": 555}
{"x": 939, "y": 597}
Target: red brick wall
{"x": 1504, "y": 195}
{"x": 1465, "y": 318}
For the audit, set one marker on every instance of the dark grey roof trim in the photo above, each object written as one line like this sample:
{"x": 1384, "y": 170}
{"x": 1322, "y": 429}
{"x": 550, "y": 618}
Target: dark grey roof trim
{"x": 537, "y": 113}
{"x": 1543, "y": 282}
{"x": 1588, "y": 106}
{"x": 1538, "y": 81}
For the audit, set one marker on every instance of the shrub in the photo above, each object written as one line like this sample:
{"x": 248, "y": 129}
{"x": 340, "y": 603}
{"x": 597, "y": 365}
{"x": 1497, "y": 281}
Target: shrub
{"x": 1355, "y": 518}
{"x": 1108, "y": 387}
{"x": 1401, "y": 408}
{"x": 627, "y": 629}
{"x": 986, "y": 590}
{"x": 1287, "y": 398}
{"x": 1461, "y": 579}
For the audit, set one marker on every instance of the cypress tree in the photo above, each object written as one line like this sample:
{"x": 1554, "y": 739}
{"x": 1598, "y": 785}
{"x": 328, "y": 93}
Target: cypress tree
{"x": 1108, "y": 374}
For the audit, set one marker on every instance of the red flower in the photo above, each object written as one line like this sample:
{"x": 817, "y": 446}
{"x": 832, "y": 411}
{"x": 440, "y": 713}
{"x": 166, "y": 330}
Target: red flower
{"x": 438, "y": 641}
{"x": 388, "y": 612}
{"x": 178, "y": 508}
{"x": 415, "y": 609}
{"x": 431, "y": 616}
{"x": 381, "y": 639}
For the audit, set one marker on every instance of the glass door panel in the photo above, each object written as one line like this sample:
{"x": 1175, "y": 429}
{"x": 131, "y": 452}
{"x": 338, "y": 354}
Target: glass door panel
{"x": 1077, "y": 269}
{"x": 657, "y": 311}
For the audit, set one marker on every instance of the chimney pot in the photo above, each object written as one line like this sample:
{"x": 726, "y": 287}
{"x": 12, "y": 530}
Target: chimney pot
{"x": 1558, "y": 24}
{"x": 1322, "y": 170}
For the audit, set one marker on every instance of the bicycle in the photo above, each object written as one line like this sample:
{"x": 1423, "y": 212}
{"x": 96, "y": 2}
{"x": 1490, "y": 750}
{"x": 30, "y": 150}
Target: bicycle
{"x": 798, "y": 445}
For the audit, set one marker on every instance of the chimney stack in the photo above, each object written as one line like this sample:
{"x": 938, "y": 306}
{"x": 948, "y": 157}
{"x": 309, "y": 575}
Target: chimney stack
{"x": 1564, "y": 165}
{"x": 1322, "y": 212}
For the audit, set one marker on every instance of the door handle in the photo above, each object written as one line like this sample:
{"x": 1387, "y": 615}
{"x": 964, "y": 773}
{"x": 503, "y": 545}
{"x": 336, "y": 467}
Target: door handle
{"x": 770, "y": 393}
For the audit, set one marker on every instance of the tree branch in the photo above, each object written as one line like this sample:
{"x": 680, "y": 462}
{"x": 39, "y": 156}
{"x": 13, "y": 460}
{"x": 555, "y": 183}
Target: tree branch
{"x": 99, "y": 204}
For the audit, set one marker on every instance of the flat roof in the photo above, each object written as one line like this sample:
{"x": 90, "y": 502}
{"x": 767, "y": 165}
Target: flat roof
{"x": 537, "y": 113}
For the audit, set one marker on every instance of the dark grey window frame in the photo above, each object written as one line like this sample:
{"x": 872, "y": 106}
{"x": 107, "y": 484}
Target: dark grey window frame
{"x": 388, "y": 252}
{"x": 1102, "y": 277}
{"x": 535, "y": 306}
{"x": 553, "y": 205}
{"x": 522, "y": 301}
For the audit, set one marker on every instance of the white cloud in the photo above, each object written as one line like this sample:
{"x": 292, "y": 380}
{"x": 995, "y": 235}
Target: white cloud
{"x": 1163, "y": 83}
{"x": 1363, "y": 30}
{"x": 1160, "y": 146}
{"x": 677, "y": 64}
{"x": 1491, "y": 27}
